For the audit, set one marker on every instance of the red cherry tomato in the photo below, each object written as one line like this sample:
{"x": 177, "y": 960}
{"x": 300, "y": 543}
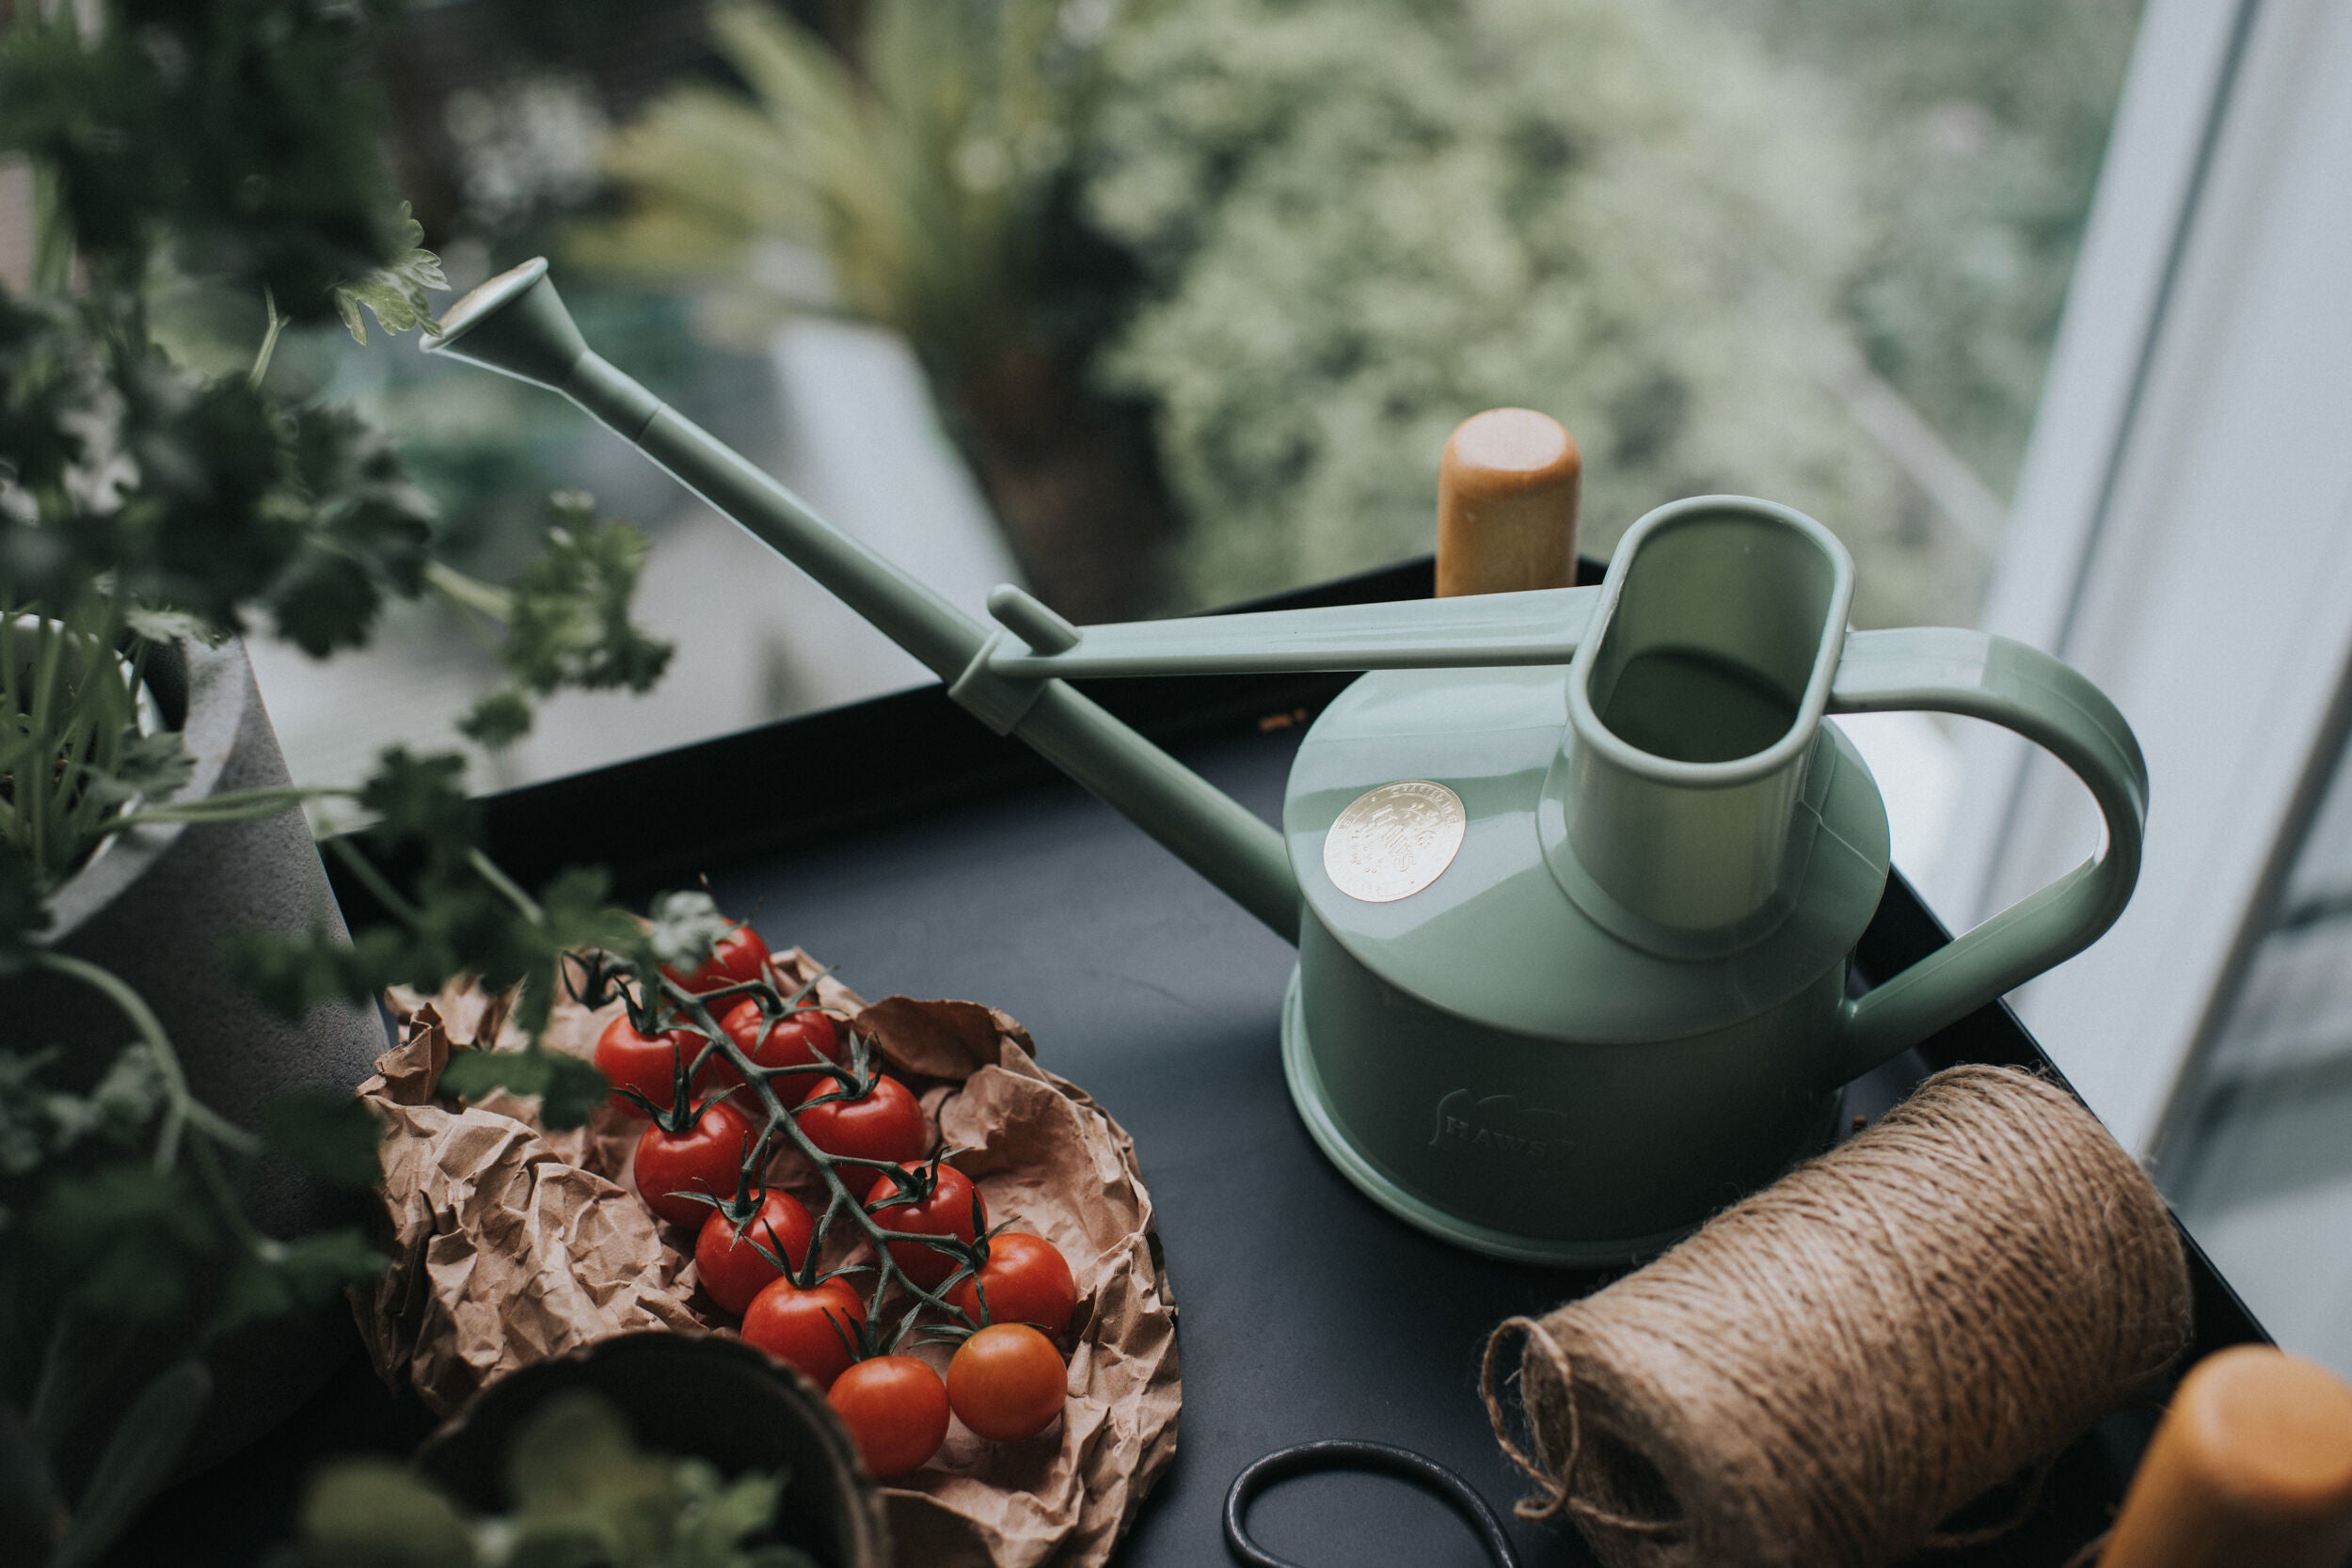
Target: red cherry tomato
{"x": 735, "y": 959}
{"x": 802, "y": 1036}
{"x": 897, "y": 1409}
{"x": 1007, "y": 1382}
{"x": 813, "y": 1330}
{"x": 1026, "y": 1280}
{"x": 648, "y": 1064}
{"x": 946, "y": 1212}
{"x": 730, "y": 1264}
{"x": 706, "y": 1158}
{"x": 883, "y": 1123}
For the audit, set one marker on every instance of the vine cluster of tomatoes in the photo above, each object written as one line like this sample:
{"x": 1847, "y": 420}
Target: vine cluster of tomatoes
{"x": 731, "y": 1074}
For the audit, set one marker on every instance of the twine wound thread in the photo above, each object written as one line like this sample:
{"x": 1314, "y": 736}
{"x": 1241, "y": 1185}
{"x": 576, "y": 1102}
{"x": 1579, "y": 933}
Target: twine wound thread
{"x": 1830, "y": 1369}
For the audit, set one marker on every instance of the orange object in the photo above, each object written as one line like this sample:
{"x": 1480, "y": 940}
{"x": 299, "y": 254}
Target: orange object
{"x": 2251, "y": 1465}
{"x": 1506, "y": 505}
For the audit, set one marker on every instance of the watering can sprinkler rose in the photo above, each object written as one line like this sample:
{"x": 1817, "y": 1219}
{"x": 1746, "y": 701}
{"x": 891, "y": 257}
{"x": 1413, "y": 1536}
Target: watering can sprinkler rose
{"x": 1575, "y": 874}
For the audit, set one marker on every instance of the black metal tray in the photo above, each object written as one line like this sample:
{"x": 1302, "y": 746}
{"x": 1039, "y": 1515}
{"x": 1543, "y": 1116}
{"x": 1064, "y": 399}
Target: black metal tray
{"x": 918, "y": 853}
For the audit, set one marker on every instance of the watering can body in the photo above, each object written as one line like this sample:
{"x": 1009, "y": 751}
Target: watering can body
{"x": 1575, "y": 874}
{"x": 1490, "y": 1063}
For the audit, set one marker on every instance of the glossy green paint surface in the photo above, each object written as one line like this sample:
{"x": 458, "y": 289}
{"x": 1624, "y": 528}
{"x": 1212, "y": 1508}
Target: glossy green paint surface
{"x": 1622, "y": 1002}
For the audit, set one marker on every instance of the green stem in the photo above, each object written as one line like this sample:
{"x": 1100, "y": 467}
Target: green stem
{"x": 206, "y": 1159}
{"x": 244, "y": 805}
{"x": 389, "y": 897}
{"x": 151, "y": 1032}
{"x": 508, "y": 889}
{"x": 82, "y": 1350}
{"x": 839, "y": 1195}
{"x": 470, "y": 593}
{"x": 269, "y": 342}
{"x": 52, "y": 234}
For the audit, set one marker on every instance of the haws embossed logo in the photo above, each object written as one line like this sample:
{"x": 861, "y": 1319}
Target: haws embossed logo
{"x": 1499, "y": 1125}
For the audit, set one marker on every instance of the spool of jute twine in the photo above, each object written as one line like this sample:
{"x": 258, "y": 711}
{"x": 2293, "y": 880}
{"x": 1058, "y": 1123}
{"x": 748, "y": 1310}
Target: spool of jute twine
{"x": 1829, "y": 1371}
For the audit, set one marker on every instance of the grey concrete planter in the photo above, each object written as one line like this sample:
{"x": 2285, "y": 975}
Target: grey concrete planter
{"x": 154, "y": 907}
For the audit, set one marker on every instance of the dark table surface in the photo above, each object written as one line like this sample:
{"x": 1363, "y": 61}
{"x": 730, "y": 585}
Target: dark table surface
{"x": 903, "y": 845}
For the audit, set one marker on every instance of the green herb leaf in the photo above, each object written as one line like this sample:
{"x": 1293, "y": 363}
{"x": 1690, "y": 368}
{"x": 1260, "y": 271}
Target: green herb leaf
{"x": 570, "y": 625}
{"x": 577, "y": 912}
{"x": 568, "y": 1088}
{"x": 140, "y": 1454}
{"x": 277, "y": 1279}
{"x": 166, "y": 626}
{"x": 38, "y": 1123}
{"x": 151, "y": 767}
{"x": 24, "y": 905}
{"x": 396, "y": 293}
{"x": 292, "y": 973}
{"x": 686, "y": 925}
{"x": 121, "y": 1242}
{"x": 421, "y": 799}
{"x": 576, "y": 1445}
{"x": 373, "y": 1513}
{"x": 332, "y": 1136}
{"x": 125, "y": 1100}
{"x": 29, "y": 1507}
{"x": 366, "y": 530}
{"x": 500, "y": 719}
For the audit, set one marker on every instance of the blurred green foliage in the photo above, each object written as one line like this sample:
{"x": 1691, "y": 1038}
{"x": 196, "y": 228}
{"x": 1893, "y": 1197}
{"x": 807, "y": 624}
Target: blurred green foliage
{"x": 204, "y": 174}
{"x": 1982, "y": 127}
{"x": 1365, "y": 219}
{"x": 1679, "y": 225}
{"x": 906, "y": 188}
{"x": 235, "y": 133}
{"x": 583, "y": 1493}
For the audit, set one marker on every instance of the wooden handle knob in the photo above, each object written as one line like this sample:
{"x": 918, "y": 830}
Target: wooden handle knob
{"x": 2251, "y": 1464}
{"x": 1506, "y": 505}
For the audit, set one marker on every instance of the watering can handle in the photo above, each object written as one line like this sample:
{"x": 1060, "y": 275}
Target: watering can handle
{"x": 1945, "y": 670}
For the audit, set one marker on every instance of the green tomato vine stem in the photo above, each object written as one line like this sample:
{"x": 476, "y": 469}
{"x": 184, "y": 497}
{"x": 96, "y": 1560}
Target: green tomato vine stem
{"x": 839, "y": 1197}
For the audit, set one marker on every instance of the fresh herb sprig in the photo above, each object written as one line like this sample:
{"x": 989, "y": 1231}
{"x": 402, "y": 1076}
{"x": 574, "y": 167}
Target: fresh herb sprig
{"x": 235, "y": 144}
{"x": 583, "y": 1492}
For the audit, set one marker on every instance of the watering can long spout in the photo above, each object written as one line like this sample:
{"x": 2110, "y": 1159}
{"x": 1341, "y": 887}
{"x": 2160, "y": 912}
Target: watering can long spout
{"x": 516, "y": 324}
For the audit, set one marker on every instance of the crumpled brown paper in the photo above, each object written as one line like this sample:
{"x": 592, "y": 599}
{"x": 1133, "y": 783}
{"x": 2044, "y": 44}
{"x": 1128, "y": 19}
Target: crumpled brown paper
{"x": 510, "y": 1243}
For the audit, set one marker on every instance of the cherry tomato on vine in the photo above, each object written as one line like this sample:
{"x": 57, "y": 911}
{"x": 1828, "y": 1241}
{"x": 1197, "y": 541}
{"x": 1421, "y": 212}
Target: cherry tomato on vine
{"x": 896, "y": 1407}
{"x": 730, "y": 1264}
{"x": 646, "y": 1063}
{"x": 735, "y": 959}
{"x": 946, "y": 1212}
{"x": 706, "y": 1158}
{"x": 883, "y": 1123}
{"x": 1007, "y": 1382}
{"x": 1026, "y": 1280}
{"x": 811, "y": 1329}
{"x": 798, "y": 1038}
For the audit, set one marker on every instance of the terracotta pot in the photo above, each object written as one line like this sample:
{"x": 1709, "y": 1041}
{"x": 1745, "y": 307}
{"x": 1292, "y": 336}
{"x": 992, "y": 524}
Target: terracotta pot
{"x": 154, "y": 907}
{"x": 697, "y": 1395}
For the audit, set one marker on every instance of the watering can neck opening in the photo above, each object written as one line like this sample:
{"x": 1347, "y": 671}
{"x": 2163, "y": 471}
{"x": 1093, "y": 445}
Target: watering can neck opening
{"x": 1694, "y": 711}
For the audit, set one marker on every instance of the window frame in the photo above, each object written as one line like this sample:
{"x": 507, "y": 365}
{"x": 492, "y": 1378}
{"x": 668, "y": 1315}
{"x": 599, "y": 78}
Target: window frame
{"x": 2179, "y": 532}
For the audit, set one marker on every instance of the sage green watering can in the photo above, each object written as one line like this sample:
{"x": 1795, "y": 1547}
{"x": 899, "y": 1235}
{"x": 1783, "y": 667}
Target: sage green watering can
{"x": 1575, "y": 875}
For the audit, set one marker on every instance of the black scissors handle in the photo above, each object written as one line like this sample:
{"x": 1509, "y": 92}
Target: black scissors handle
{"x": 1342, "y": 1453}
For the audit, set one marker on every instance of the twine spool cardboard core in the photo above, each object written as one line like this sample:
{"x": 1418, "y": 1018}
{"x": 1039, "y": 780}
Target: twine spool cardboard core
{"x": 1833, "y": 1366}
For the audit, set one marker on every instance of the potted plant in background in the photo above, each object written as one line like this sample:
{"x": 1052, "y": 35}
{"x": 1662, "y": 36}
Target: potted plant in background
{"x": 911, "y": 170}
{"x": 184, "y": 1015}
